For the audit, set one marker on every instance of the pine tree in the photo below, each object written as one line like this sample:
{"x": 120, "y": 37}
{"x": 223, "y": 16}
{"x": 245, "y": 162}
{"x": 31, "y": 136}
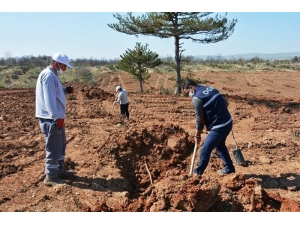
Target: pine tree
{"x": 195, "y": 26}
{"x": 137, "y": 62}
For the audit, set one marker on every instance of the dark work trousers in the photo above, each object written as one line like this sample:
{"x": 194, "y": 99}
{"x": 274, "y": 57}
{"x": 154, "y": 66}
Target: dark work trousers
{"x": 124, "y": 109}
{"x": 215, "y": 140}
{"x": 55, "y": 147}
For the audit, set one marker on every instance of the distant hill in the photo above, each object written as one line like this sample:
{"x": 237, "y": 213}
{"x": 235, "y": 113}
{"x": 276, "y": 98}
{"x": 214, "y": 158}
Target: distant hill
{"x": 264, "y": 56}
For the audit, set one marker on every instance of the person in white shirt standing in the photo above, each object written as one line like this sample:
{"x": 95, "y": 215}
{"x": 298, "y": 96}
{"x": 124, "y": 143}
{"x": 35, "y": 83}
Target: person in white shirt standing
{"x": 122, "y": 99}
{"x": 51, "y": 113}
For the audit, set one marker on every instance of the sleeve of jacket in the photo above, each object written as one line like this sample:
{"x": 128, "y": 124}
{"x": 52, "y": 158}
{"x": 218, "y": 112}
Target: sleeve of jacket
{"x": 198, "y": 107}
{"x": 49, "y": 90}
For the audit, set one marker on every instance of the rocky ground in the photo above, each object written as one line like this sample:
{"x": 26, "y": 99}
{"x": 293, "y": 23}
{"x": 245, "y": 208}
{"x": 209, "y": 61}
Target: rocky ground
{"x": 142, "y": 164}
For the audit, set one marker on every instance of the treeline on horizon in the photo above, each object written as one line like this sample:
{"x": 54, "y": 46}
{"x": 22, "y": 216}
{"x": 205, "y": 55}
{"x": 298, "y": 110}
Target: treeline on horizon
{"x": 43, "y": 61}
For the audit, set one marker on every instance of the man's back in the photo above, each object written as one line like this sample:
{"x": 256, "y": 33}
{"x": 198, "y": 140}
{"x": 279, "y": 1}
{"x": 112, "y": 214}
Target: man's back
{"x": 123, "y": 97}
{"x": 214, "y": 106}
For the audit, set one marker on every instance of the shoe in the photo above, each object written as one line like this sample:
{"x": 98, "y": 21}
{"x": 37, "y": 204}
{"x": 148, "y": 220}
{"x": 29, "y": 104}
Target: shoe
{"x": 223, "y": 172}
{"x": 69, "y": 174}
{"x": 53, "y": 181}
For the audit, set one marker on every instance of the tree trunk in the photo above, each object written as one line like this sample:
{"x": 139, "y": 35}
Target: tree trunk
{"x": 141, "y": 81}
{"x": 177, "y": 60}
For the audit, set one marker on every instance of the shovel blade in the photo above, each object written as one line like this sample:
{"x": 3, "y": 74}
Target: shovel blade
{"x": 239, "y": 158}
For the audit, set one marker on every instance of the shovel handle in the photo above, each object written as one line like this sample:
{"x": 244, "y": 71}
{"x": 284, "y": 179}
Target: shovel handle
{"x": 234, "y": 140}
{"x": 193, "y": 159}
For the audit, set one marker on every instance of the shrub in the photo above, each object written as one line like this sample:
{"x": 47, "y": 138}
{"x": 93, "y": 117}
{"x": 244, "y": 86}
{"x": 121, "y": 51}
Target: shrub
{"x": 165, "y": 91}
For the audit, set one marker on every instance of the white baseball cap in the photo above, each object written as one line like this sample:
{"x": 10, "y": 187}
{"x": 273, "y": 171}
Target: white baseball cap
{"x": 61, "y": 58}
{"x": 117, "y": 88}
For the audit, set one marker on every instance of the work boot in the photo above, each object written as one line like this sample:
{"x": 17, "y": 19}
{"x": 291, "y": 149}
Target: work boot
{"x": 53, "y": 181}
{"x": 224, "y": 172}
{"x": 68, "y": 174}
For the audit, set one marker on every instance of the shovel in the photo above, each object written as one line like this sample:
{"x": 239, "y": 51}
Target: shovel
{"x": 193, "y": 159}
{"x": 237, "y": 153}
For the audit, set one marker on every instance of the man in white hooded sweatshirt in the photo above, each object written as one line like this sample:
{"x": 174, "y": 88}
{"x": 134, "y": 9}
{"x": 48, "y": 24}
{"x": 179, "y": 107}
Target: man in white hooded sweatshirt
{"x": 51, "y": 112}
{"x": 122, "y": 99}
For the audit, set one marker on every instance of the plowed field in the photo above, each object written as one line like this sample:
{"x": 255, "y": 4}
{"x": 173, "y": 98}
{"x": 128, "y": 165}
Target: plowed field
{"x": 142, "y": 164}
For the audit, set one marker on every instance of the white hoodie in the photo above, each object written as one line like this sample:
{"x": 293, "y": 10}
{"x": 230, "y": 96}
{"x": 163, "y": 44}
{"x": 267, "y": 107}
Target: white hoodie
{"x": 50, "y": 96}
{"x": 123, "y": 97}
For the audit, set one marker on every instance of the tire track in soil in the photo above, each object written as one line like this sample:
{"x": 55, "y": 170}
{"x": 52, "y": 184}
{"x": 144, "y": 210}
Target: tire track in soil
{"x": 112, "y": 82}
{"x": 157, "y": 81}
{"x": 147, "y": 86}
{"x": 254, "y": 81}
{"x": 200, "y": 75}
{"x": 109, "y": 82}
{"x": 121, "y": 80}
{"x": 166, "y": 80}
{"x": 104, "y": 84}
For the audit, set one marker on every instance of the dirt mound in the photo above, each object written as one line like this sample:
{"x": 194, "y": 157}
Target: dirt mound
{"x": 154, "y": 162}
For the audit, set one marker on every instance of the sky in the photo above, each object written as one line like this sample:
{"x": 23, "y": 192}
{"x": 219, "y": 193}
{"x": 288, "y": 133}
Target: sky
{"x": 81, "y": 30}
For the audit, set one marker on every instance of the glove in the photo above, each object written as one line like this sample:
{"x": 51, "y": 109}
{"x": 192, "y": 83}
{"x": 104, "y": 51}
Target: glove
{"x": 60, "y": 123}
{"x": 70, "y": 89}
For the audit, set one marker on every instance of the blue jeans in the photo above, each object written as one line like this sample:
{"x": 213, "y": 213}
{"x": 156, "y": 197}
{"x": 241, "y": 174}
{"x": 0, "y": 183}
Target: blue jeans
{"x": 55, "y": 147}
{"x": 215, "y": 140}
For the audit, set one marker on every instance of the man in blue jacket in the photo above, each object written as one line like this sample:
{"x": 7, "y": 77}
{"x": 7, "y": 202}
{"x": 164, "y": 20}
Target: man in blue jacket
{"x": 212, "y": 112}
{"x": 51, "y": 112}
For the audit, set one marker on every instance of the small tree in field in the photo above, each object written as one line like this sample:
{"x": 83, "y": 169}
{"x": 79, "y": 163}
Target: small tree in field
{"x": 137, "y": 62}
